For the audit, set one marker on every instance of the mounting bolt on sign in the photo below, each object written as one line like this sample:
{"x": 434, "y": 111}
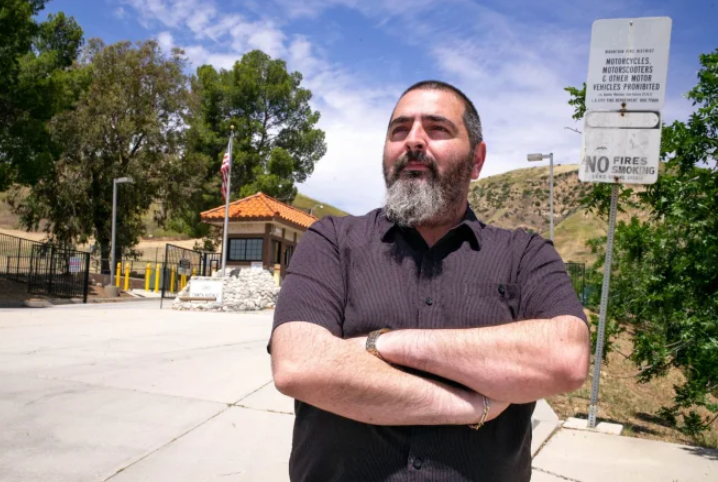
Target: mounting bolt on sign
{"x": 625, "y": 90}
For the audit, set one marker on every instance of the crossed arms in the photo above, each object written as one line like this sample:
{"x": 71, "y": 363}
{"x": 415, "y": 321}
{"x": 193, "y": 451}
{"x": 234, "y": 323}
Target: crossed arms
{"x": 514, "y": 363}
{"x": 517, "y": 362}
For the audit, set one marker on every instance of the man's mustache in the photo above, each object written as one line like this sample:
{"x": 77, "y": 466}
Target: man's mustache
{"x": 415, "y": 156}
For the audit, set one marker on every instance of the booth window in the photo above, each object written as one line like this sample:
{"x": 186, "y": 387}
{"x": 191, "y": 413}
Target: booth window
{"x": 245, "y": 249}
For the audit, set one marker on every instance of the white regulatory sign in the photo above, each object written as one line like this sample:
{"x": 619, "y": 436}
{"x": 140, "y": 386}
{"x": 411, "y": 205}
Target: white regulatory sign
{"x": 620, "y": 147}
{"x": 206, "y": 289}
{"x": 628, "y": 64}
{"x": 75, "y": 264}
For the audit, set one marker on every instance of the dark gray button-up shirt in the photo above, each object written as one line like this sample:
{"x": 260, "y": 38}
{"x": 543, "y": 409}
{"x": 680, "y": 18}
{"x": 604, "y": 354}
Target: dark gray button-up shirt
{"x": 353, "y": 275}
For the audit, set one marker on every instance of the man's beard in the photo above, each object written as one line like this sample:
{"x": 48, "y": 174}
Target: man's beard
{"x": 425, "y": 198}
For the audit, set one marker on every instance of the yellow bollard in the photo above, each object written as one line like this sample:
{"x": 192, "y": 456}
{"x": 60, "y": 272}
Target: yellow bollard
{"x": 118, "y": 274}
{"x": 183, "y": 281}
{"x": 172, "y": 280}
{"x": 194, "y": 271}
{"x": 127, "y": 277}
{"x": 277, "y": 268}
{"x": 148, "y": 273}
{"x": 157, "y": 278}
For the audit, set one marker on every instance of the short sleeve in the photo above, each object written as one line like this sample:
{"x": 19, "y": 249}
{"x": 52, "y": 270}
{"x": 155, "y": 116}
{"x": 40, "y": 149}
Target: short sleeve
{"x": 546, "y": 289}
{"x": 313, "y": 287}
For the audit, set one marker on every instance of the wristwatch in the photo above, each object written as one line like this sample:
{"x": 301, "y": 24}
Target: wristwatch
{"x": 371, "y": 342}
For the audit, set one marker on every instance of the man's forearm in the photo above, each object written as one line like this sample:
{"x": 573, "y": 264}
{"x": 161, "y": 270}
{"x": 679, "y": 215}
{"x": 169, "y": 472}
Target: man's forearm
{"x": 517, "y": 363}
{"x": 339, "y": 376}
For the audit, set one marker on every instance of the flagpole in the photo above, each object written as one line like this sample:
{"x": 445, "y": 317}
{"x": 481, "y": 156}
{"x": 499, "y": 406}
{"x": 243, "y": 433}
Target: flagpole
{"x": 225, "y": 247}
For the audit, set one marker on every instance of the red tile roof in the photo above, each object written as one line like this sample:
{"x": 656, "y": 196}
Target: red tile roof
{"x": 259, "y": 206}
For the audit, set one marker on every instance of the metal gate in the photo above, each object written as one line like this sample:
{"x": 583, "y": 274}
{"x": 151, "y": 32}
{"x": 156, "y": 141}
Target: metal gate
{"x": 64, "y": 273}
{"x": 577, "y": 272}
{"x": 181, "y": 264}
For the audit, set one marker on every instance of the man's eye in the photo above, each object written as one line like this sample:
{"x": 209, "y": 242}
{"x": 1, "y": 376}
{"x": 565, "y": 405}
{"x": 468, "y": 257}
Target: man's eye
{"x": 399, "y": 129}
{"x": 438, "y": 128}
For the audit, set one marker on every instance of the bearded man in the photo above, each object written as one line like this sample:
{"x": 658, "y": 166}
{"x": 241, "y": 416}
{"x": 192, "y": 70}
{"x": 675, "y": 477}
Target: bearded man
{"x": 416, "y": 339}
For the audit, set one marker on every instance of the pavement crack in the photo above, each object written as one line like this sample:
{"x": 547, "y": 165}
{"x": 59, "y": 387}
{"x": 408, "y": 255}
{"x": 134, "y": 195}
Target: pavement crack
{"x": 268, "y": 410}
{"x": 562, "y": 477}
{"x": 252, "y": 392}
{"x": 151, "y": 452}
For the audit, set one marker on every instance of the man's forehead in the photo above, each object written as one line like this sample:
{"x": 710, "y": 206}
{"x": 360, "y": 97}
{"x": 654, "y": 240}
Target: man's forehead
{"x": 429, "y": 102}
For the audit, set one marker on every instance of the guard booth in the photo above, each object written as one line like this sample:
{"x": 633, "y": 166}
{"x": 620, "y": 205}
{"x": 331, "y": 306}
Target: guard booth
{"x": 262, "y": 231}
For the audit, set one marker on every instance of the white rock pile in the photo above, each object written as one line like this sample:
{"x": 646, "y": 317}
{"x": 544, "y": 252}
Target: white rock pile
{"x": 245, "y": 289}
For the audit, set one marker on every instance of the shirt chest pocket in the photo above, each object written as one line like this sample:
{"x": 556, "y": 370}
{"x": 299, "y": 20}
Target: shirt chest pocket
{"x": 481, "y": 304}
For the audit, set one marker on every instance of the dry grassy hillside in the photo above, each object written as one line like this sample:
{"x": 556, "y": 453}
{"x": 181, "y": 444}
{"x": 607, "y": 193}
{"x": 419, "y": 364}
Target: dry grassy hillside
{"x": 520, "y": 199}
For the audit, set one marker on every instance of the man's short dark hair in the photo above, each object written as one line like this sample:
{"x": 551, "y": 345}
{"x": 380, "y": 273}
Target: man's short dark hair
{"x": 472, "y": 121}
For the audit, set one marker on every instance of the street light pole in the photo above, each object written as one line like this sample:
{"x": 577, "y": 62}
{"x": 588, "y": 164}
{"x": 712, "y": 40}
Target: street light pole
{"x": 541, "y": 157}
{"x": 115, "y": 182}
{"x": 316, "y": 206}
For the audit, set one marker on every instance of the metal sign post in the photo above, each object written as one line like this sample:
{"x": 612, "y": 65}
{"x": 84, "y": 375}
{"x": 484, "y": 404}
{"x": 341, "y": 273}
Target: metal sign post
{"x": 593, "y": 407}
{"x": 626, "y": 86}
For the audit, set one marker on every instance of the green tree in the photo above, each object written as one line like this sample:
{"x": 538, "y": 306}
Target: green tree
{"x": 665, "y": 275}
{"x": 35, "y": 84}
{"x": 276, "y": 141}
{"x": 129, "y": 121}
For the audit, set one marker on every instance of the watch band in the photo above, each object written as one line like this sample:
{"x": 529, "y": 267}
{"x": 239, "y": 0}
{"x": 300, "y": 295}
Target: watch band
{"x": 371, "y": 342}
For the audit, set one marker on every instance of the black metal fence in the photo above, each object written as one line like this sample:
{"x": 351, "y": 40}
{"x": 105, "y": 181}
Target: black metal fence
{"x": 47, "y": 269}
{"x": 16, "y": 257}
{"x": 59, "y": 272}
{"x": 180, "y": 264}
{"x": 577, "y": 272}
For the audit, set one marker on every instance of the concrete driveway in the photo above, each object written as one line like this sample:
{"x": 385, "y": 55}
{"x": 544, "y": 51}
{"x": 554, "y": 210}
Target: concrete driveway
{"x": 129, "y": 392}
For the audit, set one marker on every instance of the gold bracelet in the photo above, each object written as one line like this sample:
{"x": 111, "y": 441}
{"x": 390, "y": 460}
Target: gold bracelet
{"x": 483, "y": 416}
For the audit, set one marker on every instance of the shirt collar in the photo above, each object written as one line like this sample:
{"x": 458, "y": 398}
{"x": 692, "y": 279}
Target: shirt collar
{"x": 469, "y": 223}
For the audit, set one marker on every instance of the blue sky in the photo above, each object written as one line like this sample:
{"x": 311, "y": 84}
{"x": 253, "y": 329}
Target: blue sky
{"x": 512, "y": 57}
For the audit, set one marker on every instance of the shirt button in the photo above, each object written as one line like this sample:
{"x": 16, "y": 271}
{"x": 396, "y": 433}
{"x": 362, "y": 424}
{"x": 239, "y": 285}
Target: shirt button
{"x": 417, "y": 463}
{"x": 502, "y": 289}
{"x": 429, "y": 301}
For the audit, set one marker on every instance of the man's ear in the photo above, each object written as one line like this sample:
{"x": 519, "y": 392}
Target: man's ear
{"x": 479, "y": 158}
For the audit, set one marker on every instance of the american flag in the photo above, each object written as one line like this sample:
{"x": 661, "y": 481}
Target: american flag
{"x": 226, "y": 163}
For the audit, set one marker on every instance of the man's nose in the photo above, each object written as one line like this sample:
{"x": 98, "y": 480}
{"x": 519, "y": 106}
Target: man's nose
{"x": 416, "y": 140}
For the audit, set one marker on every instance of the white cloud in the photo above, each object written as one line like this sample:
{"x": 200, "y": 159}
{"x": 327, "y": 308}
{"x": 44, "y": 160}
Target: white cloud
{"x": 166, "y": 41}
{"x": 119, "y": 13}
{"x": 257, "y": 35}
{"x": 198, "y": 55}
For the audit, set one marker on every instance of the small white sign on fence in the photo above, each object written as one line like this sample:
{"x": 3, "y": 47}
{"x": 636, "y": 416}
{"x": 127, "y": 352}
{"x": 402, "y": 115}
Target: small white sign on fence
{"x": 75, "y": 264}
{"x": 184, "y": 267}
